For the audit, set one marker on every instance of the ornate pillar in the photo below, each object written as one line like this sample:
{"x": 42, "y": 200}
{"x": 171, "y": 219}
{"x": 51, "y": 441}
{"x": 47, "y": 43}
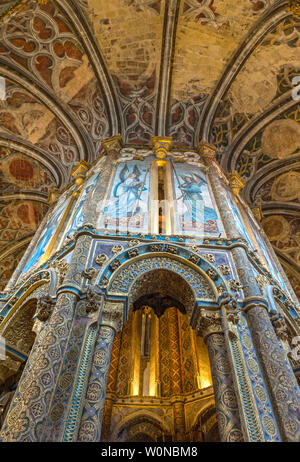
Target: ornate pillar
{"x": 278, "y": 375}
{"x": 27, "y": 415}
{"x": 91, "y": 420}
{"x": 209, "y": 326}
{"x": 175, "y": 360}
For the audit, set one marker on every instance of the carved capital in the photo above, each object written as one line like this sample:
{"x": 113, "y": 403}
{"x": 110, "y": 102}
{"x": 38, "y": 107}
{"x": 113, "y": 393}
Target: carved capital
{"x": 236, "y": 182}
{"x": 279, "y": 325}
{"x": 79, "y": 171}
{"x": 112, "y": 144}
{"x": 112, "y": 316}
{"x": 229, "y": 303}
{"x": 208, "y": 323}
{"x": 161, "y": 145}
{"x": 207, "y": 150}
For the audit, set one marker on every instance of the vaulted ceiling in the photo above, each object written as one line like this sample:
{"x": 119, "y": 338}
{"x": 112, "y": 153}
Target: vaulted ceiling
{"x": 78, "y": 71}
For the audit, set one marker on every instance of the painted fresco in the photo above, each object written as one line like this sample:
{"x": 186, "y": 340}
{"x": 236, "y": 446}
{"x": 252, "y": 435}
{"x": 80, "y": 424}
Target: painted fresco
{"x": 195, "y": 211}
{"x": 127, "y": 204}
{"x": 77, "y": 217}
{"x": 46, "y": 236}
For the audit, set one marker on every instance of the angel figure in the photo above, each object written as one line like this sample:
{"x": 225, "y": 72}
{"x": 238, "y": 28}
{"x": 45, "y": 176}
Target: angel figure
{"x": 192, "y": 194}
{"x": 127, "y": 194}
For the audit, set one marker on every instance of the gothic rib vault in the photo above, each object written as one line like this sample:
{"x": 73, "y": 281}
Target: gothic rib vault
{"x": 77, "y": 72}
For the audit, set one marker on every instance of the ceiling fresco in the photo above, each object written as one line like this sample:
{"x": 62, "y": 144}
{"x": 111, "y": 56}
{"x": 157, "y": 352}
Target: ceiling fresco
{"x": 79, "y": 71}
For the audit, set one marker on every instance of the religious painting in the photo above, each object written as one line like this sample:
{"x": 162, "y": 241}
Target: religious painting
{"x": 77, "y": 217}
{"x": 46, "y": 235}
{"x": 194, "y": 206}
{"x": 127, "y": 204}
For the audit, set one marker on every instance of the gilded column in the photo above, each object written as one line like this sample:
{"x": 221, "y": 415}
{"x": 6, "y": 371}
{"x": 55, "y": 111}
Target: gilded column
{"x": 174, "y": 351}
{"x": 278, "y": 375}
{"x": 209, "y": 326}
{"x": 91, "y": 420}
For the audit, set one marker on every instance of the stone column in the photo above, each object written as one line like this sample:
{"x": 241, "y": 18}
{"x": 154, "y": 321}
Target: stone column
{"x": 91, "y": 420}
{"x": 28, "y": 412}
{"x": 278, "y": 375}
{"x": 209, "y": 327}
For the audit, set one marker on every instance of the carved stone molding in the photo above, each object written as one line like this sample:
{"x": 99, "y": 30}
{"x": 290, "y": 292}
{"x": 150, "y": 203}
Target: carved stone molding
{"x": 225, "y": 270}
{"x": 89, "y": 273}
{"x": 93, "y": 300}
{"x": 44, "y": 308}
{"x": 235, "y": 285}
{"x": 60, "y": 267}
{"x": 101, "y": 259}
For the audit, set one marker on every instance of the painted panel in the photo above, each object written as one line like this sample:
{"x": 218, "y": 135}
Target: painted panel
{"x": 127, "y": 204}
{"x": 46, "y": 236}
{"x": 77, "y": 218}
{"x": 195, "y": 210}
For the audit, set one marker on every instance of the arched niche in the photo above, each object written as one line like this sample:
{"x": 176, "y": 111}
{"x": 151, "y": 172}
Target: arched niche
{"x": 138, "y": 425}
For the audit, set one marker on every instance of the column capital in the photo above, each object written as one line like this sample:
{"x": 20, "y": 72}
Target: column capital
{"x": 208, "y": 322}
{"x": 113, "y": 316}
{"x": 94, "y": 299}
{"x": 229, "y": 303}
{"x": 53, "y": 195}
{"x": 236, "y": 182}
{"x": 207, "y": 150}
{"x": 112, "y": 144}
{"x": 161, "y": 145}
{"x": 279, "y": 324}
{"x": 79, "y": 171}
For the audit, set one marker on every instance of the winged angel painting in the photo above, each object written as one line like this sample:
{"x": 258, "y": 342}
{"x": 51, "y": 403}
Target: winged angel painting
{"x": 195, "y": 209}
{"x": 127, "y": 204}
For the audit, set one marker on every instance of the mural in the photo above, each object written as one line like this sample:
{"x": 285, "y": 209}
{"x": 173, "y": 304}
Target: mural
{"x": 77, "y": 217}
{"x": 195, "y": 211}
{"x": 128, "y": 199}
{"x": 46, "y": 236}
